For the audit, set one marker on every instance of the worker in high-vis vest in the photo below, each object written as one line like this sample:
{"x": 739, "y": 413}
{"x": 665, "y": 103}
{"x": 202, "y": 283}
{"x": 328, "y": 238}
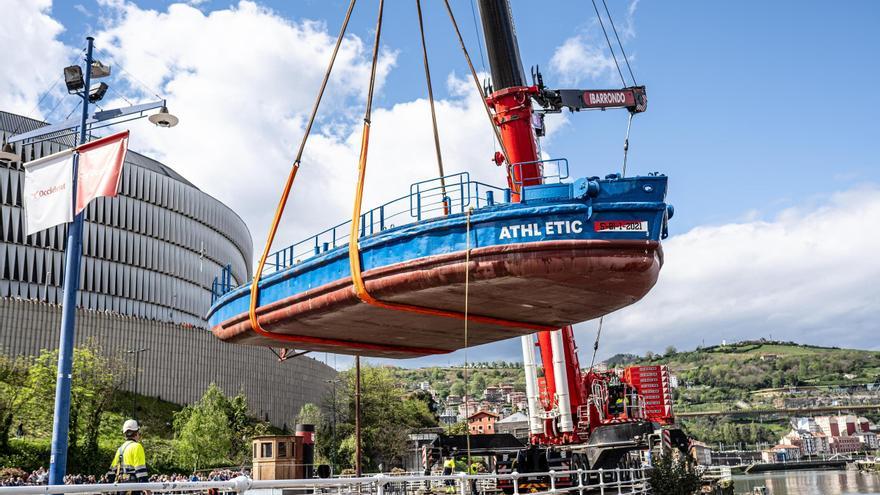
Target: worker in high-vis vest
{"x": 449, "y": 469}
{"x": 129, "y": 464}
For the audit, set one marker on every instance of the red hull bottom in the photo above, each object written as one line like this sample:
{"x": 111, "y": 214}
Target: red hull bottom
{"x": 554, "y": 283}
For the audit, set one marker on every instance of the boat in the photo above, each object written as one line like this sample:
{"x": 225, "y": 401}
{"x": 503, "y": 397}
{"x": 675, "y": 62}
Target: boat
{"x": 567, "y": 252}
{"x": 456, "y": 262}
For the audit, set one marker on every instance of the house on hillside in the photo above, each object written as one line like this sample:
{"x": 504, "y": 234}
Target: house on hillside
{"x": 482, "y": 423}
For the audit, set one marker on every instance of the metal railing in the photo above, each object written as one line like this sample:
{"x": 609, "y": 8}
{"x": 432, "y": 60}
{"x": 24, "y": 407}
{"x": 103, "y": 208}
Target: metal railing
{"x": 581, "y": 481}
{"x": 557, "y": 173}
{"x": 426, "y": 199}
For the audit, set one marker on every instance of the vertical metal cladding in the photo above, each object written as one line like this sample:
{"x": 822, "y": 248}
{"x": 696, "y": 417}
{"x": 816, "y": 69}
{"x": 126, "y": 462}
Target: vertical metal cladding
{"x": 149, "y": 258}
{"x": 152, "y": 252}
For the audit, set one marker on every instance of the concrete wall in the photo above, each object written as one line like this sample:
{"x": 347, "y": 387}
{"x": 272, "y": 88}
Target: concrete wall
{"x": 181, "y": 361}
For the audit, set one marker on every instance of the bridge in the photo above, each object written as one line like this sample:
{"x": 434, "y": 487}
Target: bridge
{"x": 788, "y": 411}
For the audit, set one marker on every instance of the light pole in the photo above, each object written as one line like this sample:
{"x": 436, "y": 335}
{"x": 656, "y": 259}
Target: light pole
{"x": 137, "y": 371}
{"x": 79, "y": 84}
{"x": 61, "y": 421}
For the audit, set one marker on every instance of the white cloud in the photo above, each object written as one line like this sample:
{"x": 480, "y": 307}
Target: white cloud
{"x": 243, "y": 88}
{"x": 579, "y": 59}
{"x": 586, "y": 57}
{"x": 33, "y": 57}
{"x": 809, "y": 275}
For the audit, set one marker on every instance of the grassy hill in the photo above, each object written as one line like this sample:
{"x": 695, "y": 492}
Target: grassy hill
{"x": 742, "y": 375}
{"x": 728, "y": 373}
{"x": 451, "y": 380}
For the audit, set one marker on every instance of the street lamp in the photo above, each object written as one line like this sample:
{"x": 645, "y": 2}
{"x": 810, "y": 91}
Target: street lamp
{"x": 164, "y": 118}
{"x": 137, "y": 370}
{"x": 78, "y": 82}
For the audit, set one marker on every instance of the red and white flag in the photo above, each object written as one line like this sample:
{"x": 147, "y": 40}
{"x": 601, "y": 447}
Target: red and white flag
{"x": 47, "y": 191}
{"x": 100, "y": 168}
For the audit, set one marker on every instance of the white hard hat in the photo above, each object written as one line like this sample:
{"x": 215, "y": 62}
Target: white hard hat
{"x": 130, "y": 425}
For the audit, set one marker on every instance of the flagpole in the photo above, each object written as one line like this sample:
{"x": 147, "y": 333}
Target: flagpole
{"x": 61, "y": 421}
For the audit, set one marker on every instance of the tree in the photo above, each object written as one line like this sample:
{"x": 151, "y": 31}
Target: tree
{"x": 13, "y": 377}
{"x": 96, "y": 379}
{"x": 203, "y": 436}
{"x": 457, "y": 388}
{"x": 388, "y": 414}
{"x": 674, "y": 474}
{"x": 310, "y": 414}
{"x": 459, "y": 428}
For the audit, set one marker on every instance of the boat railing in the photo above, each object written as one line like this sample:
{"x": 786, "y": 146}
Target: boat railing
{"x": 433, "y": 198}
{"x": 551, "y": 170}
{"x": 581, "y": 481}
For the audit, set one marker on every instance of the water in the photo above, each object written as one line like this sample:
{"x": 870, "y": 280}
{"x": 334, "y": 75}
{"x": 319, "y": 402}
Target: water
{"x": 832, "y": 482}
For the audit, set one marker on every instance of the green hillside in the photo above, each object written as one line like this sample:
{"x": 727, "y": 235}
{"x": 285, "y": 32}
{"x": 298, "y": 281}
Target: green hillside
{"x": 711, "y": 376}
{"x": 451, "y": 380}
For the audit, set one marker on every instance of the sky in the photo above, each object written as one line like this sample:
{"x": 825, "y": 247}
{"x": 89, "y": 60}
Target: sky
{"x": 759, "y": 112}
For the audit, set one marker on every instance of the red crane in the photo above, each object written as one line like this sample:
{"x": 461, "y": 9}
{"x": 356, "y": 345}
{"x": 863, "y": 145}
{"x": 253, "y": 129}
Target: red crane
{"x": 607, "y": 413}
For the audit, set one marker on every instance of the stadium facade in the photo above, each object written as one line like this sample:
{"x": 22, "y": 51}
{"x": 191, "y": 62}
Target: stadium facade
{"x": 150, "y": 256}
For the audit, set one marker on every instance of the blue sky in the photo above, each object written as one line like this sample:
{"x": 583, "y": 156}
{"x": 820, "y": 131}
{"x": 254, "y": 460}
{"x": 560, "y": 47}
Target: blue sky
{"x": 761, "y": 113}
{"x": 753, "y": 105}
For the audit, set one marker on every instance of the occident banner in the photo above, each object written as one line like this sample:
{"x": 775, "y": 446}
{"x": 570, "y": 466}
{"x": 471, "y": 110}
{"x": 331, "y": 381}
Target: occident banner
{"x": 99, "y": 168}
{"x": 48, "y": 196}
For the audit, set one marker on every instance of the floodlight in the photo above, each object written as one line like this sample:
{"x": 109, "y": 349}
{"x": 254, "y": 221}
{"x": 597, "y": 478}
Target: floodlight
{"x": 73, "y": 78}
{"x": 99, "y": 70}
{"x": 164, "y": 118}
{"x": 96, "y": 94}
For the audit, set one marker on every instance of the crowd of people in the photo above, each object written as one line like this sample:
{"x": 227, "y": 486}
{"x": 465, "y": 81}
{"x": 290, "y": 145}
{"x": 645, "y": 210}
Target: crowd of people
{"x": 18, "y": 477}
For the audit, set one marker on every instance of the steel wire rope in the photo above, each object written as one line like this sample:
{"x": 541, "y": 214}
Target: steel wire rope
{"x": 46, "y": 93}
{"x": 596, "y": 343}
{"x": 480, "y": 49}
{"x": 467, "y": 280}
{"x": 433, "y": 111}
{"x": 619, "y": 44}
{"x": 132, "y": 76}
{"x": 608, "y": 40}
{"x": 282, "y": 203}
{"x": 477, "y": 82}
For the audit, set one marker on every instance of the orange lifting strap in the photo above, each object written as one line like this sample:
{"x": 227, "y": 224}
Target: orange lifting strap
{"x": 354, "y": 258}
{"x": 282, "y": 203}
{"x": 354, "y": 248}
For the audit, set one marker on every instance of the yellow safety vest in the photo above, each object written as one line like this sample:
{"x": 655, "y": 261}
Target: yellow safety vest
{"x": 133, "y": 461}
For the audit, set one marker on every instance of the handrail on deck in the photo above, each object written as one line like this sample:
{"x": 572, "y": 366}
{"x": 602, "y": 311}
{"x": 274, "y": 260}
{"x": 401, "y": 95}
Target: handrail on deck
{"x": 559, "y": 173}
{"x": 432, "y": 198}
{"x": 620, "y": 481}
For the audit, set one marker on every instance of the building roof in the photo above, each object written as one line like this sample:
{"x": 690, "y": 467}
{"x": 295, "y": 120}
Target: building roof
{"x": 485, "y": 412}
{"x": 516, "y": 417}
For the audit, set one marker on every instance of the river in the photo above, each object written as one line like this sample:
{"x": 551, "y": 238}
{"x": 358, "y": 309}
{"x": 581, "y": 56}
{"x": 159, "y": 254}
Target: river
{"x": 832, "y": 482}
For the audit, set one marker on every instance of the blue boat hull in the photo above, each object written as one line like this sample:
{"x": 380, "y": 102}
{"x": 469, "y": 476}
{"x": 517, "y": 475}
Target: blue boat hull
{"x": 554, "y": 259}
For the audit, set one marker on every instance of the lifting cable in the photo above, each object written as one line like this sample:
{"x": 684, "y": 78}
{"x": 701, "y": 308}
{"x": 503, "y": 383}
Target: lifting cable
{"x": 354, "y": 258}
{"x": 433, "y": 111}
{"x": 608, "y": 40}
{"x": 623, "y": 80}
{"x": 279, "y": 211}
{"x": 619, "y": 44}
{"x": 467, "y": 284}
{"x": 596, "y": 343}
{"x": 477, "y": 83}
